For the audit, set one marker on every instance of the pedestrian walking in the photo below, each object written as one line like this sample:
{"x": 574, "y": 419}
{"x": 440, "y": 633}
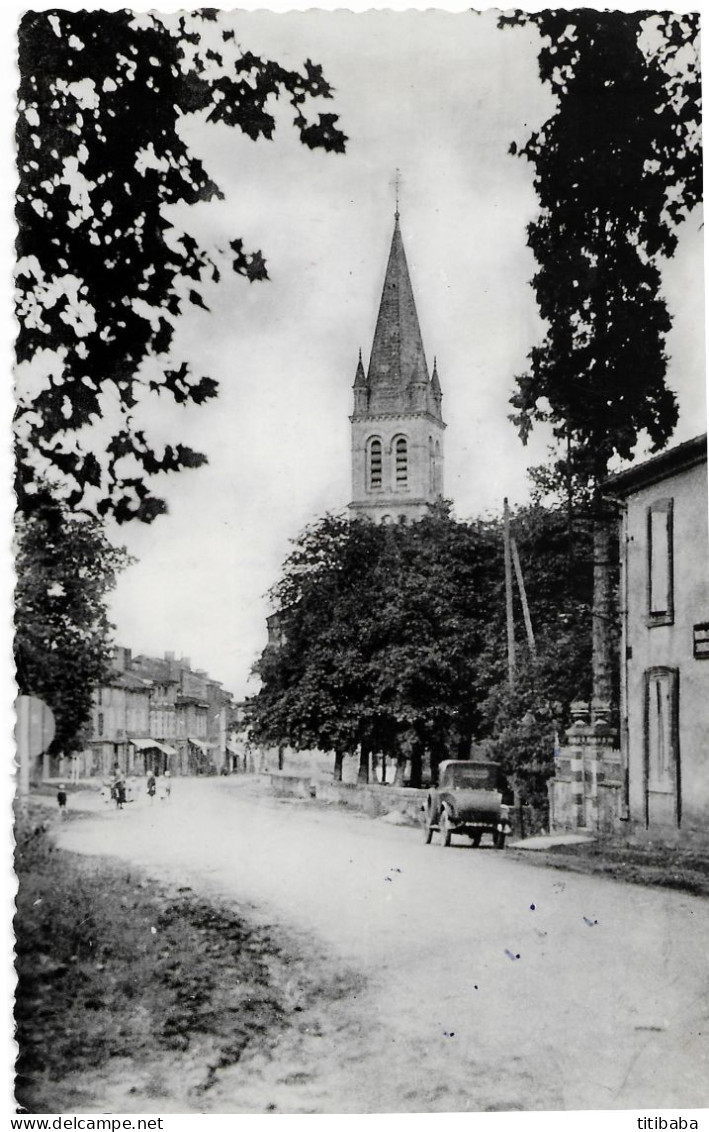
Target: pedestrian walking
{"x": 61, "y": 800}
{"x": 150, "y": 786}
{"x": 166, "y": 790}
{"x": 119, "y": 792}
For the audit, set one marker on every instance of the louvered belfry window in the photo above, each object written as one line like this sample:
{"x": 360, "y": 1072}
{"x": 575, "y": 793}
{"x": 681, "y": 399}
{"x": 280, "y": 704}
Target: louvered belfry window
{"x": 402, "y": 463}
{"x": 375, "y": 464}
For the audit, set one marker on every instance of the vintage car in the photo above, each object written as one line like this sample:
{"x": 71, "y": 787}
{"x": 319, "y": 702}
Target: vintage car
{"x": 468, "y": 799}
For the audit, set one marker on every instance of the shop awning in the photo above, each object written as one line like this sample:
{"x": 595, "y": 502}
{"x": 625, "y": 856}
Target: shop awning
{"x": 197, "y": 743}
{"x": 153, "y": 745}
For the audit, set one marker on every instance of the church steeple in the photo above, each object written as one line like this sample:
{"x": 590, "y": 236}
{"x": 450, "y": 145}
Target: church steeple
{"x": 397, "y": 428}
{"x": 397, "y": 359}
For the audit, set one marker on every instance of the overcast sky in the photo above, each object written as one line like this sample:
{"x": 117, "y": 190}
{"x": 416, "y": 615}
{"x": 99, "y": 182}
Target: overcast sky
{"x": 441, "y": 97}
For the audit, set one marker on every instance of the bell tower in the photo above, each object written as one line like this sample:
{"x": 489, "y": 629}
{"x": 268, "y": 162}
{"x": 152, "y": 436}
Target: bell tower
{"x": 397, "y": 426}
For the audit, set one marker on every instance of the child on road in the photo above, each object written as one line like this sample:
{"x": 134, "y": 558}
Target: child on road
{"x": 61, "y": 800}
{"x": 166, "y": 790}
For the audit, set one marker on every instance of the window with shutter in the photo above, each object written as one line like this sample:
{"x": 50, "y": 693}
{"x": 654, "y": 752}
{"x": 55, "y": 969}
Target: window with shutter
{"x": 375, "y": 464}
{"x": 660, "y": 580}
{"x": 402, "y": 463}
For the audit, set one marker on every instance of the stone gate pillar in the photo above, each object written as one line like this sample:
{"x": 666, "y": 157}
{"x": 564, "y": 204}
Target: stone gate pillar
{"x": 600, "y": 764}
{"x": 583, "y": 792}
{"x": 576, "y": 746}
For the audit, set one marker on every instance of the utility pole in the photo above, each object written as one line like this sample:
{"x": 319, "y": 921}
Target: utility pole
{"x": 523, "y": 596}
{"x": 508, "y": 597}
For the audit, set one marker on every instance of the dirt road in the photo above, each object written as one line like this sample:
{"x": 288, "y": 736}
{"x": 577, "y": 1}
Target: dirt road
{"x": 477, "y": 982}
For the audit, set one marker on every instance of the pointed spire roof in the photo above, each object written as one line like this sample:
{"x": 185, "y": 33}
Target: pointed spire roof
{"x": 397, "y": 357}
{"x": 360, "y": 380}
{"x": 435, "y": 381}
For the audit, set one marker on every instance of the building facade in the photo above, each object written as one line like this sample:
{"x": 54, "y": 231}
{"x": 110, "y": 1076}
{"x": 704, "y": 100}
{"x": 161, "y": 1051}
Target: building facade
{"x": 397, "y": 426}
{"x": 653, "y": 778}
{"x": 121, "y": 710}
{"x": 188, "y": 713}
{"x": 665, "y": 649}
{"x": 156, "y": 714}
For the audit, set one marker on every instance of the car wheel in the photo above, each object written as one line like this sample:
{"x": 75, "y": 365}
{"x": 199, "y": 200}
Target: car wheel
{"x": 475, "y": 837}
{"x": 445, "y": 827}
{"x": 498, "y": 839}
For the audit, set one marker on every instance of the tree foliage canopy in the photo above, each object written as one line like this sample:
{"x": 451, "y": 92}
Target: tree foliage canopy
{"x": 520, "y": 722}
{"x": 103, "y": 274}
{"x": 617, "y": 167}
{"x": 396, "y": 633}
{"x": 381, "y": 628}
{"x": 65, "y": 567}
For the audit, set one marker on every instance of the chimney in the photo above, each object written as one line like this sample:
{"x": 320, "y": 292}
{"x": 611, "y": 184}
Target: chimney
{"x": 122, "y": 658}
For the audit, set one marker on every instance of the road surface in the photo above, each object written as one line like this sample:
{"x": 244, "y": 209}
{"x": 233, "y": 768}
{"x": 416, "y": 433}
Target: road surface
{"x": 475, "y": 982}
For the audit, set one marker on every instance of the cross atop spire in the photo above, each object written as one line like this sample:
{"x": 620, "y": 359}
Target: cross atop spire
{"x": 396, "y": 183}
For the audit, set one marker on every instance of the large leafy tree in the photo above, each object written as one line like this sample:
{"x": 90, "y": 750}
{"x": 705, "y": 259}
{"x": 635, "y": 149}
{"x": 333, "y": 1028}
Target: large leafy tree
{"x": 65, "y": 567}
{"x": 392, "y": 640}
{"x": 103, "y": 273}
{"x": 617, "y": 167}
{"x": 380, "y": 630}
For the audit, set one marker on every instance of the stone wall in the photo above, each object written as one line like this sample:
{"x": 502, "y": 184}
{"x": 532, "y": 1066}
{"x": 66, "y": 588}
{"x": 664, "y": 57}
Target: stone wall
{"x": 373, "y": 800}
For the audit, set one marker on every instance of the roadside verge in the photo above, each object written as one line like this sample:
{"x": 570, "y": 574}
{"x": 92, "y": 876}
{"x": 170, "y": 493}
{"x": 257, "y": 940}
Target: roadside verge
{"x": 135, "y": 996}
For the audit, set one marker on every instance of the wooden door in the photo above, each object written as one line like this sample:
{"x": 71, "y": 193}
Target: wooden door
{"x": 662, "y": 756}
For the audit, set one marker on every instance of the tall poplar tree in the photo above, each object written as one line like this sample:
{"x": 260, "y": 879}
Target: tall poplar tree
{"x": 617, "y": 167}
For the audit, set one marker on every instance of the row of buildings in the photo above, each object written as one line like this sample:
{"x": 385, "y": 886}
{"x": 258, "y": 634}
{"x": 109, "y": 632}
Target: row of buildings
{"x": 157, "y": 714}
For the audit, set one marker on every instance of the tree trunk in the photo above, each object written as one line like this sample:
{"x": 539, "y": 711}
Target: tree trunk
{"x": 416, "y": 763}
{"x": 337, "y": 770}
{"x": 363, "y": 772}
{"x": 569, "y": 501}
{"x": 602, "y": 659}
{"x": 400, "y": 768}
{"x": 437, "y": 756}
{"x": 280, "y": 757}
